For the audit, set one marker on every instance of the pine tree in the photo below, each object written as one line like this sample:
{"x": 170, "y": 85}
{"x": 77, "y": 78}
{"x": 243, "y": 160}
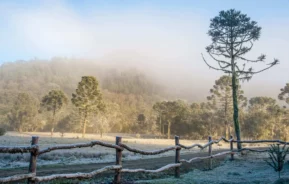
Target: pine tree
{"x": 54, "y": 101}
{"x": 87, "y": 99}
{"x": 232, "y": 36}
{"x": 284, "y": 95}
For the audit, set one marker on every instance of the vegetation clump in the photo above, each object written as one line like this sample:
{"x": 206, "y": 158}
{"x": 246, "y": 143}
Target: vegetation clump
{"x": 277, "y": 157}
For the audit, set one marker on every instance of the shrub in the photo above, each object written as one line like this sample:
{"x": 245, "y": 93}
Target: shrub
{"x": 2, "y": 131}
{"x": 277, "y": 157}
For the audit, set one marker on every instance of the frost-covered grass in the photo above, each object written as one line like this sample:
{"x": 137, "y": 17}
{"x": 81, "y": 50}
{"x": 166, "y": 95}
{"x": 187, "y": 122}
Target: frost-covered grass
{"x": 96, "y": 154}
{"x": 248, "y": 169}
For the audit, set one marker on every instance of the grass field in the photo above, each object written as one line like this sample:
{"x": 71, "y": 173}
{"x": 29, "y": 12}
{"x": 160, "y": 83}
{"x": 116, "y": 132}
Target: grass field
{"x": 247, "y": 169}
{"x": 96, "y": 154}
{"x": 250, "y": 168}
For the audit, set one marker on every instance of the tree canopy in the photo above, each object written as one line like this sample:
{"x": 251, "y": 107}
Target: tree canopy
{"x": 87, "y": 99}
{"x": 54, "y": 102}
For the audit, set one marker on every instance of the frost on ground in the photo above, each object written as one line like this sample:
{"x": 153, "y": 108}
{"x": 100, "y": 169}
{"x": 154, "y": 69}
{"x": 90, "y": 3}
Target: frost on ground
{"x": 248, "y": 169}
{"x": 96, "y": 154}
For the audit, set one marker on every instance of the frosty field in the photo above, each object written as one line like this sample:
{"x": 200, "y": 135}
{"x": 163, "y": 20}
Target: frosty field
{"x": 96, "y": 154}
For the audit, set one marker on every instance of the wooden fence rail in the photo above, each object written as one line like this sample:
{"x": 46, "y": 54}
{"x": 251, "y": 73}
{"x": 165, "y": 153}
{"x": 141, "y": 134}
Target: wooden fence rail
{"x": 119, "y": 147}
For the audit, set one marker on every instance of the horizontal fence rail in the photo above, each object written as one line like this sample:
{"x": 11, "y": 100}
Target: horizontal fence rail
{"x": 119, "y": 147}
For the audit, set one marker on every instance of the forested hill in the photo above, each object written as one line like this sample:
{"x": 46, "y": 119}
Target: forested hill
{"x": 38, "y": 77}
{"x": 129, "y": 89}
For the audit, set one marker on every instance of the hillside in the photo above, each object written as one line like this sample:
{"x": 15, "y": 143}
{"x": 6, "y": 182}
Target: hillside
{"x": 128, "y": 89}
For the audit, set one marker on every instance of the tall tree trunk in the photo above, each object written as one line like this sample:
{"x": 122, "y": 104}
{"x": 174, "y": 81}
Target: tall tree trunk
{"x": 234, "y": 94}
{"x": 169, "y": 129}
{"x": 84, "y": 123}
{"x": 226, "y": 121}
{"x": 236, "y": 110}
{"x": 52, "y": 124}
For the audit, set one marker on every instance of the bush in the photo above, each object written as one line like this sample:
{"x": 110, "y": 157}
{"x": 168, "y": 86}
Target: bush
{"x": 277, "y": 157}
{"x": 2, "y": 131}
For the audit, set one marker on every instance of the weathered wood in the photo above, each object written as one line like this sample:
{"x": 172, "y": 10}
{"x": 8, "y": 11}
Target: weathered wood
{"x": 206, "y": 145}
{"x": 156, "y": 152}
{"x": 262, "y": 141}
{"x": 33, "y": 159}
{"x": 166, "y": 167}
{"x": 232, "y": 147}
{"x": 177, "y": 158}
{"x": 17, "y": 177}
{"x": 78, "y": 175}
{"x": 18, "y": 149}
{"x": 253, "y": 150}
{"x": 80, "y": 145}
{"x": 210, "y": 154}
{"x": 207, "y": 157}
{"x": 117, "y": 176}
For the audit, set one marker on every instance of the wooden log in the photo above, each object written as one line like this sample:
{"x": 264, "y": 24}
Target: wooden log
{"x": 207, "y": 157}
{"x": 18, "y": 149}
{"x": 78, "y": 175}
{"x": 156, "y": 152}
{"x": 117, "y": 176}
{"x": 232, "y": 147}
{"x": 33, "y": 158}
{"x": 80, "y": 145}
{"x": 262, "y": 141}
{"x": 206, "y": 145}
{"x": 16, "y": 177}
{"x": 210, "y": 154}
{"x": 253, "y": 150}
{"x": 177, "y": 158}
{"x": 166, "y": 167}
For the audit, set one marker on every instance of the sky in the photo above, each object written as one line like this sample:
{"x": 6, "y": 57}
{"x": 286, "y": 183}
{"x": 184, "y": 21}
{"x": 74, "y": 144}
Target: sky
{"x": 166, "y": 36}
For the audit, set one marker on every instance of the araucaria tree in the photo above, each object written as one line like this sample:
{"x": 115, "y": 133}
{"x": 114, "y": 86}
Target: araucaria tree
{"x": 232, "y": 35}
{"x": 54, "y": 102}
{"x": 284, "y": 95}
{"x": 221, "y": 100}
{"x": 87, "y": 99}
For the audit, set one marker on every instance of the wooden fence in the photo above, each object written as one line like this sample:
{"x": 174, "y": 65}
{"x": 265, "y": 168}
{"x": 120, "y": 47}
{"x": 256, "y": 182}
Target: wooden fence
{"x": 119, "y": 147}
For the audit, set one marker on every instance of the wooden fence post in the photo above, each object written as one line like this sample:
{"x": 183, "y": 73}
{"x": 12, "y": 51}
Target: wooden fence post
{"x": 177, "y": 158}
{"x": 232, "y": 147}
{"x": 117, "y": 176}
{"x": 210, "y": 153}
{"x": 33, "y": 158}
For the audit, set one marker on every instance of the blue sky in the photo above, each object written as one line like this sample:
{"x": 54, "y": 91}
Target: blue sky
{"x": 162, "y": 35}
{"x": 14, "y": 42}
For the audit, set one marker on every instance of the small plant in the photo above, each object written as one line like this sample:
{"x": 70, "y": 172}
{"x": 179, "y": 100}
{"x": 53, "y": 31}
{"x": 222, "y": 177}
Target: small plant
{"x": 277, "y": 157}
{"x": 2, "y": 131}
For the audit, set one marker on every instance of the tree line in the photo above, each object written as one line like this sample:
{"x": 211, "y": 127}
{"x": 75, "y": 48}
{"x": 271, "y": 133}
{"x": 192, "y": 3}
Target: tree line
{"x": 260, "y": 117}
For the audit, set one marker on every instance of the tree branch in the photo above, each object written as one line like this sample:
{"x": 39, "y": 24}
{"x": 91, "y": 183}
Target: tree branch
{"x": 227, "y": 71}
